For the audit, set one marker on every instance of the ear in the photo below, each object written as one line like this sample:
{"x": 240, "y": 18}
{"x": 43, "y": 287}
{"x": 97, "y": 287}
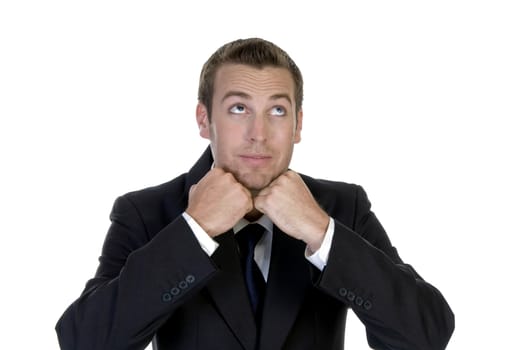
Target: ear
{"x": 201, "y": 116}
{"x": 299, "y": 125}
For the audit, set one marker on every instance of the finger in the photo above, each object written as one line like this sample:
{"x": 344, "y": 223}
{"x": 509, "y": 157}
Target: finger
{"x": 192, "y": 190}
{"x": 248, "y": 199}
{"x": 265, "y": 191}
{"x": 283, "y": 179}
{"x": 217, "y": 170}
{"x": 260, "y": 203}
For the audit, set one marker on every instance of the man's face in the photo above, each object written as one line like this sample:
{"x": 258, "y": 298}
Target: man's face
{"x": 253, "y": 127}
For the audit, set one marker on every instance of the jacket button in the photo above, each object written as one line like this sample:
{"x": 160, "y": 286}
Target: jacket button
{"x": 183, "y": 285}
{"x": 167, "y": 297}
{"x": 190, "y": 278}
{"x": 358, "y": 301}
{"x": 367, "y": 305}
{"x": 175, "y": 291}
{"x": 343, "y": 292}
{"x": 351, "y": 296}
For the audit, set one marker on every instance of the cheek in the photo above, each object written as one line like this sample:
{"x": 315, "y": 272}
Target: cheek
{"x": 229, "y": 138}
{"x": 224, "y": 140}
{"x": 228, "y": 130}
{"x": 285, "y": 138}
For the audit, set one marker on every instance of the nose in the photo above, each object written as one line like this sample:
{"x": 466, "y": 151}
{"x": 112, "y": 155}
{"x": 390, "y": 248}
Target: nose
{"x": 258, "y": 128}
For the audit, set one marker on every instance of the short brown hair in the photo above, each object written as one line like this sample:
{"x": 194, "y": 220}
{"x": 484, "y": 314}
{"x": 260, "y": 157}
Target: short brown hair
{"x": 254, "y": 52}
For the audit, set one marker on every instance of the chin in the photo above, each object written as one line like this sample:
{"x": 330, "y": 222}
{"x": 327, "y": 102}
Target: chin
{"x": 255, "y": 182}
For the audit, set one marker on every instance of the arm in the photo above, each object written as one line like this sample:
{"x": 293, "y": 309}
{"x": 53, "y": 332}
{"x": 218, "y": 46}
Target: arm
{"x": 138, "y": 285}
{"x": 398, "y": 308}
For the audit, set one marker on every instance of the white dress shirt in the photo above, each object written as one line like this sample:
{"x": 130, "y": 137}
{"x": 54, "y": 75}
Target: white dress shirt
{"x": 263, "y": 249}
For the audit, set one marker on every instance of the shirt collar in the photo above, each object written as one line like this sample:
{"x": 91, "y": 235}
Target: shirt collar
{"x": 263, "y": 221}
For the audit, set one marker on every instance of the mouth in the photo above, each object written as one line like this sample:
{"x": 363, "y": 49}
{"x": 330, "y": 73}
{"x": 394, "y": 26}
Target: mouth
{"x": 255, "y": 159}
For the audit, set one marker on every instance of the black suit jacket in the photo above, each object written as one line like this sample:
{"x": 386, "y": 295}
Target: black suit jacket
{"x": 154, "y": 282}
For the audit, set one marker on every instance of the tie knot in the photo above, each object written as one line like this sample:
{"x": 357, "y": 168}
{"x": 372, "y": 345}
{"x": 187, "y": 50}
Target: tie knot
{"x": 249, "y": 236}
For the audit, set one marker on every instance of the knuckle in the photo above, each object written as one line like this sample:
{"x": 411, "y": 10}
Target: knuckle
{"x": 229, "y": 177}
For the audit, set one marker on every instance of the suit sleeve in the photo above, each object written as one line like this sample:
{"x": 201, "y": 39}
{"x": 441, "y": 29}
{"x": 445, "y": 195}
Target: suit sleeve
{"x": 138, "y": 284}
{"x": 398, "y": 308}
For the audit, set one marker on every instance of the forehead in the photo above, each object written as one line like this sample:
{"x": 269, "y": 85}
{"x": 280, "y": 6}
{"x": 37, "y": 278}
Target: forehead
{"x": 254, "y": 81}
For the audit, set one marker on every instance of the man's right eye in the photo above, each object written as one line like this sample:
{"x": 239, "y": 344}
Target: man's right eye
{"x": 238, "y": 109}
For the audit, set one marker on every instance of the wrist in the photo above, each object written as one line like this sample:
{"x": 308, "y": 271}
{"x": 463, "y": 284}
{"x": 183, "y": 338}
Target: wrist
{"x": 316, "y": 239}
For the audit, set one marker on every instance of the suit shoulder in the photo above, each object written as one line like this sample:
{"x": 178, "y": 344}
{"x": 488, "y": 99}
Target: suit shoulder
{"x": 341, "y": 200}
{"x": 178, "y": 187}
{"x": 331, "y": 188}
{"x": 154, "y": 206}
{"x": 170, "y": 192}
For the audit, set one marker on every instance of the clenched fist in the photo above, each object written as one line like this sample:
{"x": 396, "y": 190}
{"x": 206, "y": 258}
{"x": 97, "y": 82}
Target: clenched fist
{"x": 288, "y": 202}
{"x": 217, "y": 202}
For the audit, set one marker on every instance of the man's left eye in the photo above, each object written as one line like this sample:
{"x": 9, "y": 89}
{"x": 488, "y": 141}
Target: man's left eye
{"x": 278, "y": 111}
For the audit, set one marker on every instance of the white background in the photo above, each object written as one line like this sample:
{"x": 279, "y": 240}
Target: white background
{"x": 420, "y": 102}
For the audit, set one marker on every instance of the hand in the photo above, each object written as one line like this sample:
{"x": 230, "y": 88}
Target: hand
{"x": 289, "y": 204}
{"x": 217, "y": 202}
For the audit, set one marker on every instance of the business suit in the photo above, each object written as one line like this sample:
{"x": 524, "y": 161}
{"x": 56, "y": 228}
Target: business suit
{"x": 154, "y": 280}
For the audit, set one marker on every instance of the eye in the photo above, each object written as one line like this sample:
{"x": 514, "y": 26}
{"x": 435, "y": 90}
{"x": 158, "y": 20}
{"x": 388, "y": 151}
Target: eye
{"x": 238, "y": 109}
{"x": 278, "y": 110}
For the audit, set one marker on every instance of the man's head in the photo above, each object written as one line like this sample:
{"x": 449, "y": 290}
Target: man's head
{"x": 252, "y": 52}
{"x": 250, "y": 97}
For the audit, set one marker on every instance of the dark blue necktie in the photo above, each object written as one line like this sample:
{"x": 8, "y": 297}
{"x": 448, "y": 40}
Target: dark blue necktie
{"x": 247, "y": 239}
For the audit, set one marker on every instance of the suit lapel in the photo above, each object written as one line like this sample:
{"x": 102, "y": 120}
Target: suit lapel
{"x": 289, "y": 277}
{"x": 229, "y": 293}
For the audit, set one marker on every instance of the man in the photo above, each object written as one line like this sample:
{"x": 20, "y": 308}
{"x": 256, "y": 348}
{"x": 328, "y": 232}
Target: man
{"x": 176, "y": 270}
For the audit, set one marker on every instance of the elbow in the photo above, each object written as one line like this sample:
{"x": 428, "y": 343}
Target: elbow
{"x": 446, "y": 331}
{"x": 439, "y": 334}
{"x": 66, "y": 334}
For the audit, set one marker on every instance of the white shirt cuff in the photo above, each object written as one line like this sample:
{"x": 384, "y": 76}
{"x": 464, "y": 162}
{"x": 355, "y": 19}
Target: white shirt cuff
{"x": 320, "y": 257}
{"x": 207, "y": 243}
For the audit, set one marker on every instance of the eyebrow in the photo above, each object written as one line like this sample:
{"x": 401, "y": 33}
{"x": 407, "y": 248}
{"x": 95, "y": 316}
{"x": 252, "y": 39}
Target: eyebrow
{"x": 236, "y": 93}
{"x": 248, "y": 97}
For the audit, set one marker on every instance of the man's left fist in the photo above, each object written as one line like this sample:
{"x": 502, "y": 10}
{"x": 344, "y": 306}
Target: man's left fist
{"x": 288, "y": 202}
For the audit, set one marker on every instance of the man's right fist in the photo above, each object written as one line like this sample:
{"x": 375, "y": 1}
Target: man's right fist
{"x": 217, "y": 202}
